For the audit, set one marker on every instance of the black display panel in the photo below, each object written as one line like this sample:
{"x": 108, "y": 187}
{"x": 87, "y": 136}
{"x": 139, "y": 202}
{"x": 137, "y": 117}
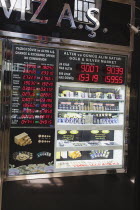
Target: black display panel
{"x": 33, "y": 85}
{"x": 113, "y": 27}
{"x": 91, "y": 67}
{"x": 95, "y": 135}
{"x": 31, "y": 151}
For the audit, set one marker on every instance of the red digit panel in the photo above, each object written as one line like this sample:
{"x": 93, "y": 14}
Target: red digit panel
{"x": 114, "y": 79}
{"x": 95, "y": 78}
{"x": 83, "y": 68}
{"x": 47, "y": 67}
{"x": 87, "y": 77}
{"x": 120, "y": 80}
{"x": 121, "y": 71}
{"x": 96, "y": 69}
{"x": 26, "y": 71}
{"x": 109, "y": 70}
{"x": 107, "y": 79}
{"x": 114, "y": 70}
{"x": 89, "y": 68}
{"x": 81, "y": 77}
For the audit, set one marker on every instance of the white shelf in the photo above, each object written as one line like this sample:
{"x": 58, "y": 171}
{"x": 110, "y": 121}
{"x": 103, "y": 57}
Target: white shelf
{"x": 83, "y": 111}
{"x": 89, "y": 127}
{"x": 90, "y": 85}
{"x": 93, "y": 99}
{"x": 64, "y": 169}
{"x": 88, "y": 148}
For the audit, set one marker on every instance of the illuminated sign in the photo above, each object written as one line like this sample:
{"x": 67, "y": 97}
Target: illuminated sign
{"x": 77, "y": 66}
{"x": 91, "y": 74}
{"x": 33, "y": 86}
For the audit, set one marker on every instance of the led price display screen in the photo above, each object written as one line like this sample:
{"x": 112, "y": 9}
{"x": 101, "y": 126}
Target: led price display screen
{"x": 33, "y": 86}
{"x": 77, "y": 66}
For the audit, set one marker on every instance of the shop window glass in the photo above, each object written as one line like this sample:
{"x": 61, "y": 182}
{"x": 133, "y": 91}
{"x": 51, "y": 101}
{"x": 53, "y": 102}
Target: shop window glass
{"x": 81, "y": 7}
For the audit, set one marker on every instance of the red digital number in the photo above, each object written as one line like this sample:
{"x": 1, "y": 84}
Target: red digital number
{"x": 84, "y": 77}
{"x": 24, "y": 116}
{"x": 29, "y": 77}
{"x": 114, "y": 79}
{"x": 46, "y": 89}
{"x": 29, "y": 111}
{"x": 46, "y": 111}
{"x": 47, "y": 73}
{"x": 49, "y": 122}
{"x": 46, "y": 116}
{"x": 88, "y": 77}
{"x": 46, "y": 105}
{"x": 47, "y": 84}
{"x": 47, "y": 67}
{"x": 26, "y": 105}
{"x": 28, "y": 99}
{"x": 89, "y": 68}
{"x": 29, "y": 71}
{"x": 29, "y": 82}
{"x": 95, "y": 78}
{"x": 115, "y": 70}
{"x": 121, "y": 70}
{"x": 27, "y": 122}
{"x": 49, "y": 100}
{"x": 47, "y": 78}
{"x": 28, "y": 94}
{"x": 28, "y": 88}
{"x": 32, "y": 66}
{"x": 48, "y": 95}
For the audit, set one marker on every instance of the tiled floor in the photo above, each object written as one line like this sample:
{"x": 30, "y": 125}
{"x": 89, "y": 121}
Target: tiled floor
{"x": 102, "y": 192}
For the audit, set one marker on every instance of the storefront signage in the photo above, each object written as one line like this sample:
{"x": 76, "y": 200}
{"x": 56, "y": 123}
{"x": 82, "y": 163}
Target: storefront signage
{"x": 88, "y": 11}
{"x": 84, "y": 122}
{"x": 82, "y": 20}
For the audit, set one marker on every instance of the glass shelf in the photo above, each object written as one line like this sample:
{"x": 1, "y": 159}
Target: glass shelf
{"x": 83, "y": 111}
{"x": 89, "y": 127}
{"x": 84, "y": 164}
{"x": 85, "y": 115}
{"x": 93, "y": 99}
{"x": 86, "y": 146}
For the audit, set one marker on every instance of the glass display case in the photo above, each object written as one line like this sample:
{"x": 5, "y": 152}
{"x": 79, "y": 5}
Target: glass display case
{"x": 89, "y": 126}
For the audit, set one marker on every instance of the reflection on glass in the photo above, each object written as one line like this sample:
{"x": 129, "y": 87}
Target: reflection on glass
{"x": 81, "y": 7}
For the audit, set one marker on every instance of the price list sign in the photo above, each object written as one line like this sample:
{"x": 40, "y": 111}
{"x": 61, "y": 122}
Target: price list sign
{"x": 33, "y": 86}
{"x": 91, "y": 67}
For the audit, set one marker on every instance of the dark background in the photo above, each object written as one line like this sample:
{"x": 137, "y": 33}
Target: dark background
{"x": 108, "y": 192}
{"x": 34, "y": 148}
{"x": 88, "y": 136}
{"x": 114, "y": 16}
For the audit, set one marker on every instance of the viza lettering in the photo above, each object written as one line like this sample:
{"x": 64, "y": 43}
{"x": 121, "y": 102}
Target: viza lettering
{"x": 91, "y": 16}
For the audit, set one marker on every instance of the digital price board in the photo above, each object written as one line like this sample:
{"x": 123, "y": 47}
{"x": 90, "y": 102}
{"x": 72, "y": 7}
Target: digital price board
{"x": 33, "y": 86}
{"x": 77, "y": 66}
